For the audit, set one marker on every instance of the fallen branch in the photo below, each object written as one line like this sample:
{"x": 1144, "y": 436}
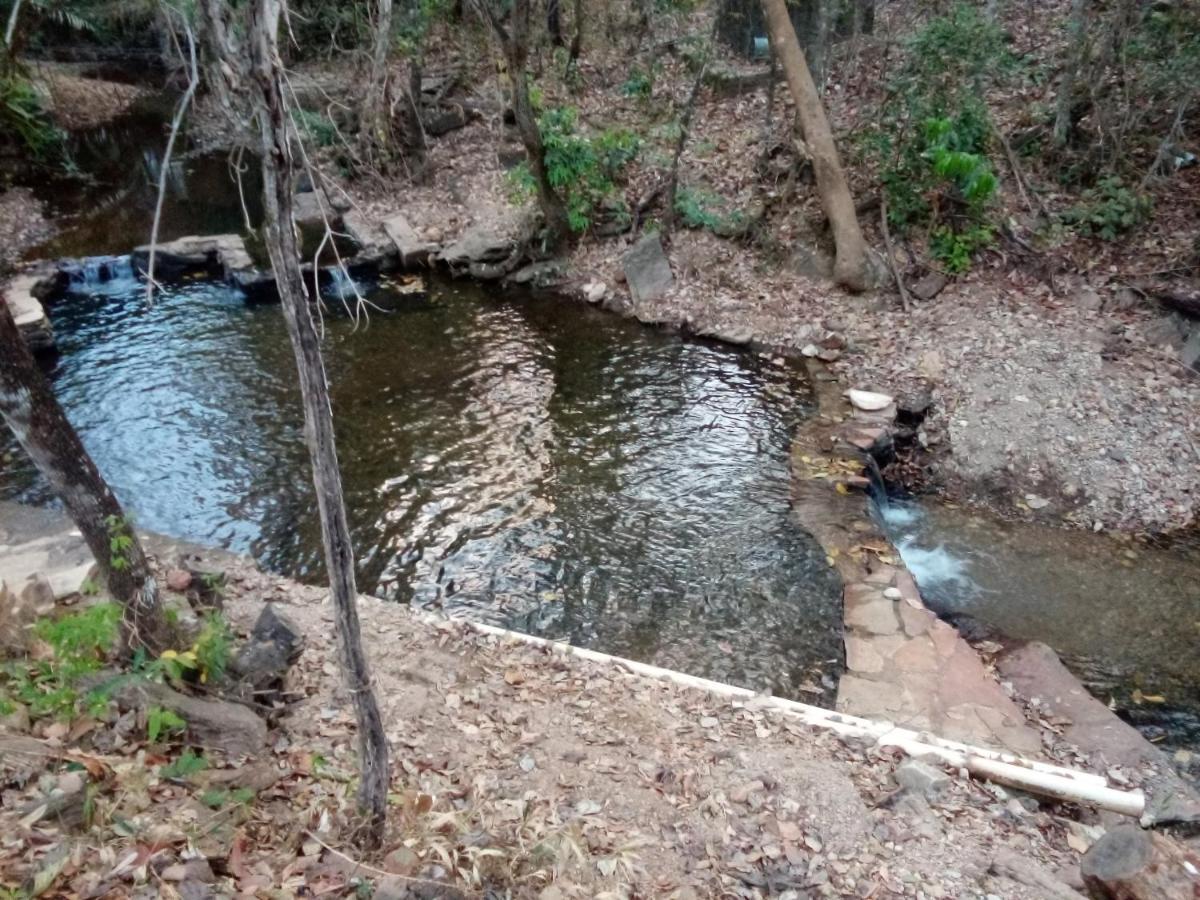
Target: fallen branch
{"x": 176, "y": 122}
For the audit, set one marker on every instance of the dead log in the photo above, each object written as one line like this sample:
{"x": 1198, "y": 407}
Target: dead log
{"x": 229, "y": 727}
{"x": 1131, "y": 864}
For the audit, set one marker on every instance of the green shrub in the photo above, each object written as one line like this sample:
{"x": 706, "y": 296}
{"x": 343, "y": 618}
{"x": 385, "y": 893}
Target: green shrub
{"x": 22, "y": 116}
{"x": 955, "y": 248}
{"x": 80, "y": 643}
{"x": 639, "y": 84}
{"x": 1108, "y": 210}
{"x": 699, "y": 208}
{"x": 319, "y": 129}
{"x": 582, "y": 168}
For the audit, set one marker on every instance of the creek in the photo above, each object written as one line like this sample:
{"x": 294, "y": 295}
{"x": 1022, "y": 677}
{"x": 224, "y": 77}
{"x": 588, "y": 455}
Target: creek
{"x": 1124, "y": 614}
{"x": 525, "y": 461}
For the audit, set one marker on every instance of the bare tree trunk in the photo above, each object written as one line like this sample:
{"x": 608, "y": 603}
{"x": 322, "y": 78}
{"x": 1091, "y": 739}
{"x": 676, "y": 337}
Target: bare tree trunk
{"x": 577, "y": 38}
{"x": 376, "y": 116}
{"x": 554, "y": 22}
{"x": 11, "y": 28}
{"x": 280, "y": 238}
{"x": 30, "y": 409}
{"x": 685, "y": 127}
{"x": 1068, "y": 88}
{"x": 514, "y": 42}
{"x": 852, "y": 267}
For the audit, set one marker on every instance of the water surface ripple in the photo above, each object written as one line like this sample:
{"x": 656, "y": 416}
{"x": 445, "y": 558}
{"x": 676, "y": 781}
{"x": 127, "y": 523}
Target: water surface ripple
{"x": 544, "y": 466}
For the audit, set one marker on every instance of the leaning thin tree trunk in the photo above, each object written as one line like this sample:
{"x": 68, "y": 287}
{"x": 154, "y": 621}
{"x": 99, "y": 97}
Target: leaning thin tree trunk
{"x": 11, "y": 28}
{"x": 514, "y": 42}
{"x": 280, "y": 237}
{"x": 685, "y": 127}
{"x": 852, "y": 264}
{"x": 577, "y": 38}
{"x": 30, "y": 409}
{"x": 1068, "y": 88}
{"x": 376, "y": 116}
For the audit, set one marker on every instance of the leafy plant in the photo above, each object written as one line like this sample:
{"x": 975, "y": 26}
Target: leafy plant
{"x": 120, "y": 542}
{"x": 703, "y": 209}
{"x": 187, "y": 764}
{"x": 639, "y": 84}
{"x": 163, "y": 721}
{"x": 582, "y": 168}
{"x": 22, "y": 115}
{"x": 954, "y": 249}
{"x": 79, "y": 643}
{"x": 218, "y": 798}
{"x": 319, "y": 129}
{"x": 1108, "y": 210}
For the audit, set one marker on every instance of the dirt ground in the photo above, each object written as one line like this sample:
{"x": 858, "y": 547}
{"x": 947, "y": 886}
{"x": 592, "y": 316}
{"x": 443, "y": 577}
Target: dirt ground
{"x": 519, "y": 771}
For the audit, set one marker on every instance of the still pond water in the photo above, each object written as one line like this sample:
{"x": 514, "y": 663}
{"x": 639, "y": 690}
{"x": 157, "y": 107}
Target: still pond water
{"x": 518, "y": 460}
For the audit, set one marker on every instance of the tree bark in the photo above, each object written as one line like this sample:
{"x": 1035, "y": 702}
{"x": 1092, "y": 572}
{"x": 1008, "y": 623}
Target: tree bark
{"x": 852, "y": 264}
{"x": 280, "y": 238}
{"x": 554, "y": 22}
{"x": 11, "y": 28}
{"x": 376, "y": 116}
{"x": 1068, "y": 88}
{"x": 514, "y": 43}
{"x": 30, "y": 409}
{"x": 577, "y": 37}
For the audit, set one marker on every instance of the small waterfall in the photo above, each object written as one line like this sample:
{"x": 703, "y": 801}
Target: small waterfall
{"x": 108, "y": 275}
{"x": 340, "y": 286}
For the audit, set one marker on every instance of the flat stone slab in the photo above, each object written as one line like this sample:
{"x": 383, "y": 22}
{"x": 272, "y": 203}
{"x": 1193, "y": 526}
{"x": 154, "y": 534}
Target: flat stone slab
{"x": 647, "y": 269}
{"x": 413, "y": 250}
{"x": 28, "y": 311}
{"x": 41, "y": 542}
{"x": 1035, "y": 670}
{"x": 902, "y": 663}
{"x": 220, "y": 254}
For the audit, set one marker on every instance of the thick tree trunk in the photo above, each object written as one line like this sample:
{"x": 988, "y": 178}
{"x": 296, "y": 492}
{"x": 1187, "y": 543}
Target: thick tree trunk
{"x": 280, "y": 238}
{"x": 514, "y": 42}
{"x": 30, "y": 409}
{"x": 852, "y": 267}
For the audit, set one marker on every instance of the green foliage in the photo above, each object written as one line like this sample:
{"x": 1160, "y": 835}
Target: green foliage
{"x": 954, "y": 248}
{"x": 120, "y": 542}
{"x": 582, "y": 168}
{"x": 1108, "y": 210}
{"x": 22, "y": 116}
{"x": 164, "y": 722}
{"x": 213, "y": 648}
{"x": 639, "y": 84}
{"x": 703, "y": 209}
{"x": 318, "y": 129}
{"x": 80, "y": 642}
{"x": 933, "y": 135}
{"x": 218, "y": 798}
{"x": 184, "y": 766}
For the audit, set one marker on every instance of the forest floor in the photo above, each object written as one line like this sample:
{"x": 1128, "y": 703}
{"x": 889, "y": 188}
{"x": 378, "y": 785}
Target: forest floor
{"x": 513, "y": 770}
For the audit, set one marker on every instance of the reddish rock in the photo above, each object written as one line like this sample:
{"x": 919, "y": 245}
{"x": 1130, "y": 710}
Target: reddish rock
{"x": 915, "y": 621}
{"x": 179, "y": 580}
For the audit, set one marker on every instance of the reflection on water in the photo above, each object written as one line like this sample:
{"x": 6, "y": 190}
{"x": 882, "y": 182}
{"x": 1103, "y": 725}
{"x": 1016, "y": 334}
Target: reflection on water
{"x": 111, "y": 210}
{"x": 1125, "y": 615}
{"x": 524, "y": 462}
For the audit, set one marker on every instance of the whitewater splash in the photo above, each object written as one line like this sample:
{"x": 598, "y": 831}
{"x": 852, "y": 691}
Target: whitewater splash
{"x": 943, "y": 575}
{"x": 110, "y": 276}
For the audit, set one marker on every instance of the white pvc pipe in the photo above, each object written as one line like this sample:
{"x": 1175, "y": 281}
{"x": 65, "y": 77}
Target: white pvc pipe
{"x": 1006, "y": 768}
